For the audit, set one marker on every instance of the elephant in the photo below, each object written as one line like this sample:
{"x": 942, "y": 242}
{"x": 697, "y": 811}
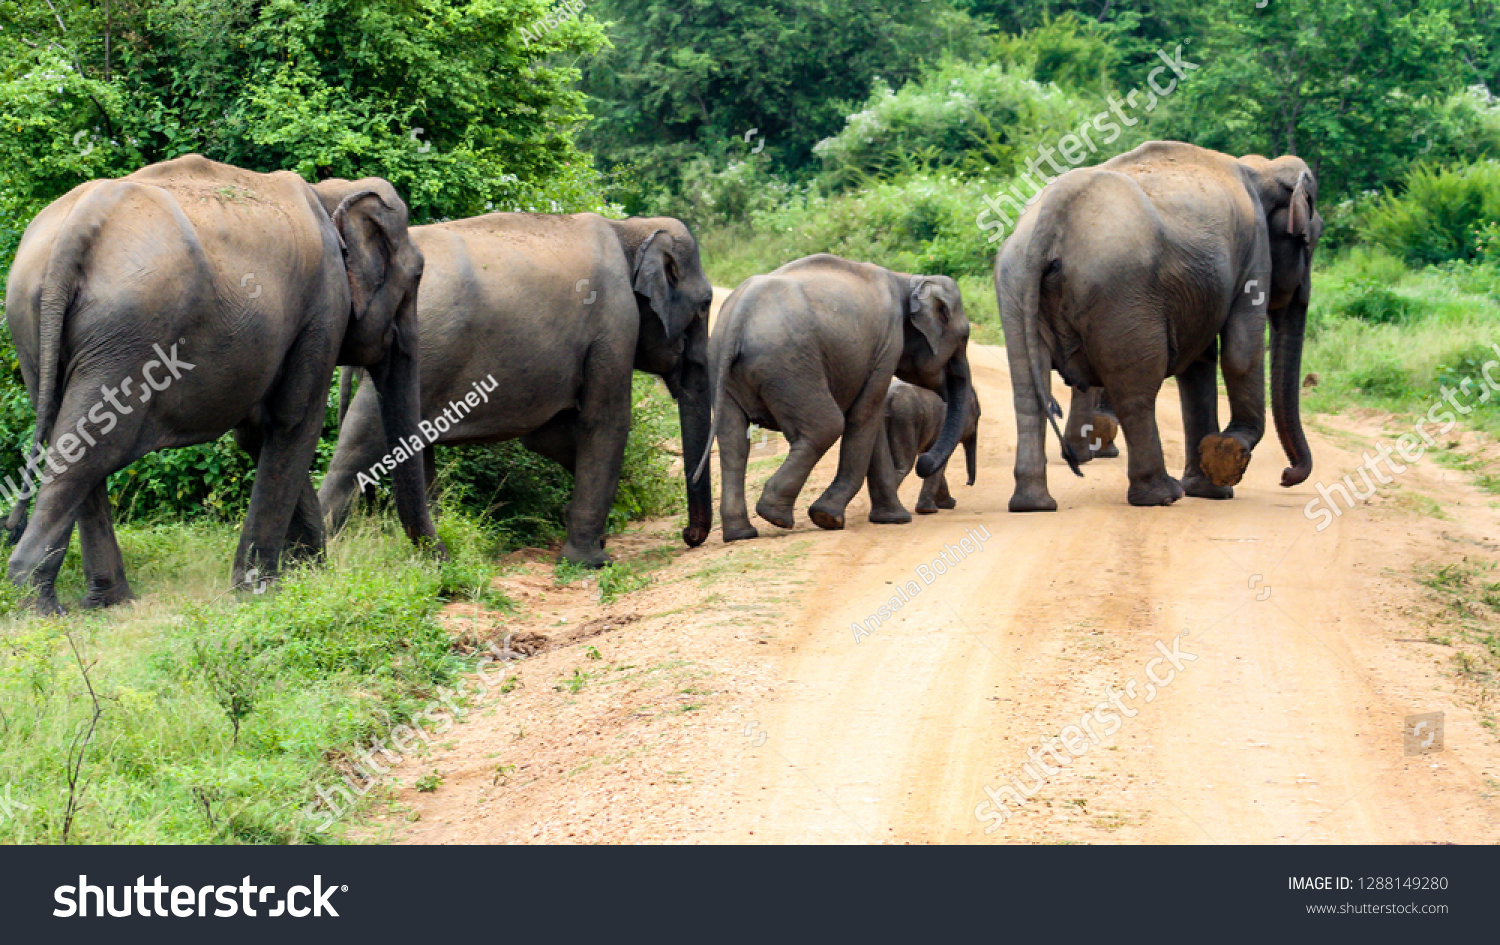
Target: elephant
{"x": 810, "y": 350}
{"x": 232, "y": 295}
{"x": 1092, "y": 426}
{"x": 1164, "y": 261}
{"x": 546, "y": 316}
{"x": 913, "y": 419}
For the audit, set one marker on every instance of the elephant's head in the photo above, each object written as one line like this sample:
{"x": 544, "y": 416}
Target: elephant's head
{"x": 674, "y": 296}
{"x": 384, "y": 269}
{"x": 934, "y": 355}
{"x": 1288, "y": 195}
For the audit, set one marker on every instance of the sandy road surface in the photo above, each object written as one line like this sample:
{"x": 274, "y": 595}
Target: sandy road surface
{"x": 731, "y": 701}
{"x": 1285, "y": 728}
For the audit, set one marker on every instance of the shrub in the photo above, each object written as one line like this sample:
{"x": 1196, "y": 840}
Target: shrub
{"x": 1440, "y": 215}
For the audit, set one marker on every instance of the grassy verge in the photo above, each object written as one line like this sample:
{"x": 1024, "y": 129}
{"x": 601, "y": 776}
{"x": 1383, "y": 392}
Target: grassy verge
{"x": 199, "y": 716}
{"x": 1468, "y": 620}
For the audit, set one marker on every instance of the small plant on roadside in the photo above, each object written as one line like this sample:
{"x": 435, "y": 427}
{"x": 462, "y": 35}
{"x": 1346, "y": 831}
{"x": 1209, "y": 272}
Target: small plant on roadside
{"x": 429, "y": 782}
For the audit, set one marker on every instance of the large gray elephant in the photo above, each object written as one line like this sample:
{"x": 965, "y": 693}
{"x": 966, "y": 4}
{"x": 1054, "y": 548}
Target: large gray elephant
{"x": 810, "y": 350}
{"x": 228, "y": 297}
{"x": 913, "y": 419}
{"x": 550, "y": 313}
{"x": 1164, "y": 261}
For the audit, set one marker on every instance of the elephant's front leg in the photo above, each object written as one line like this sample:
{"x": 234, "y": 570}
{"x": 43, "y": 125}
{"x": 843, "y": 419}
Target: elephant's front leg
{"x": 1149, "y": 482}
{"x": 1225, "y": 456}
{"x": 862, "y": 427}
{"x": 934, "y": 494}
{"x": 602, "y": 427}
{"x": 1198, "y": 390}
{"x": 884, "y": 479}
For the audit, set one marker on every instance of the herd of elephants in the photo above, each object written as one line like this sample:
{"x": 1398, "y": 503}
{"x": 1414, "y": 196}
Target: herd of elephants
{"x": 1166, "y": 261}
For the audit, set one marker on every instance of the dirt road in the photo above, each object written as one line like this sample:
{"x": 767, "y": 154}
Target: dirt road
{"x": 1298, "y": 656}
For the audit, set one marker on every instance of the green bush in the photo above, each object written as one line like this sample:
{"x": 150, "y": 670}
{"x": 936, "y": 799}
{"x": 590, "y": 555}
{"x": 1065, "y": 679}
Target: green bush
{"x": 1440, "y": 213}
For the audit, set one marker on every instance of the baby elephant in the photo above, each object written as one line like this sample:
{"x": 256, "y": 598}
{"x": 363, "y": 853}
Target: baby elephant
{"x": 810, "y": 350}
{"x": 913, "y": 419}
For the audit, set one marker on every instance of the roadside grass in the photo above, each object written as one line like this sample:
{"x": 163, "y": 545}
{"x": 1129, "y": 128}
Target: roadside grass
{"x": 1467, "y": 596}
{"x": 1387, "y": 337}
{"x": 214, "y": 711}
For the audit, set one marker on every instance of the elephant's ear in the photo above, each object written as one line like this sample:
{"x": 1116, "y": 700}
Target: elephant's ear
{"x": 656, "y": 274}
{"x": 1299, "y": 216}
{"x": 928, "y": 310}
{"x": 367, "y": 246}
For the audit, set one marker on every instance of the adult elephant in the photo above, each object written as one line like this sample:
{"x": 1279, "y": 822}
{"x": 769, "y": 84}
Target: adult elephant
{"x": 810, "y": 350}
{"x": 1163, "y": 262}
{"x": 191, "y": 298}
{"x": 913, "y": 419}
{"x": 550, "y": 314}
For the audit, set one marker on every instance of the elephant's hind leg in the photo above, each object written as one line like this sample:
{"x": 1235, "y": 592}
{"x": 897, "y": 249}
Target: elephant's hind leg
{"x": 734, "y": 456}
{"x": 103, "y": 565}
{"x": 811, "y": 426}
{"x": 1149, "y": 482}
{"x": 862, "y": 427}
{"x": 935, "y": 495}
{"x": 39, "y": 554}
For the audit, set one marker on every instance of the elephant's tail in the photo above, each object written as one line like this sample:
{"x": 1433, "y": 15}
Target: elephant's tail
{"x": 346, "y": 392}
{"x": 719, "y": 374}
{"x": 59, "y": 285}
{"x": 720, "y": 380}
{"x": 1040, "y": 262}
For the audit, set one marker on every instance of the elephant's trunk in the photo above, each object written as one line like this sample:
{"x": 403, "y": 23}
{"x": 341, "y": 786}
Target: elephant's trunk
{"x": 959, "y": 384}
{"x": 971, "y": 455}
{"x": 695, "y": 413}
{"x": 1286, "y": 387}
{"x": 397, "y": 380}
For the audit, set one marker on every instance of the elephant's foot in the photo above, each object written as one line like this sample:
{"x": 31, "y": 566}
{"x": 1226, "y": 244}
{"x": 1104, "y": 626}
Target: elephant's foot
{"x": 926, "y": 508}
{"x": 778, "y": 515}
{"x": 44, "y": 602}
{"x": 739, "y": 532}
{"x": 891, "y": 516}
{"x": 947, "y": 502}
{"x": 1032, "y": 500}
{"x": 825, "y": 517}
{"x": 590, "y": 556}
{"x": 107, "y": 596}
{"x": 1197, "y": 485}
{"x": 1223, "y": 458}
{"x": 1109, "y": 451}
{"x": 1159, "y": 490}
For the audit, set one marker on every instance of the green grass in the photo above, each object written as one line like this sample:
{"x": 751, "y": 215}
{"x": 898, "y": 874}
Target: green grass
{"x": 218, "y": 711}
{"x": 1383, "y": 336}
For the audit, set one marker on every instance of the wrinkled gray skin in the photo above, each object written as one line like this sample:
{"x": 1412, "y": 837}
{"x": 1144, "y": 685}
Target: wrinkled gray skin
{"x": 1164, "y": 261}
{"x": 260, "y": 281}
{"x": 913, "y": 419}
{"x": 559, "y": 310}
{"x": 810, "y": 350}
{"x": 1092, "y": 427}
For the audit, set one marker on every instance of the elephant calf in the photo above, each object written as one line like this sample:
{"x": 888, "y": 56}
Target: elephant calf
{"x": 810, "y": 350}
{"x": 913, "y": 420}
